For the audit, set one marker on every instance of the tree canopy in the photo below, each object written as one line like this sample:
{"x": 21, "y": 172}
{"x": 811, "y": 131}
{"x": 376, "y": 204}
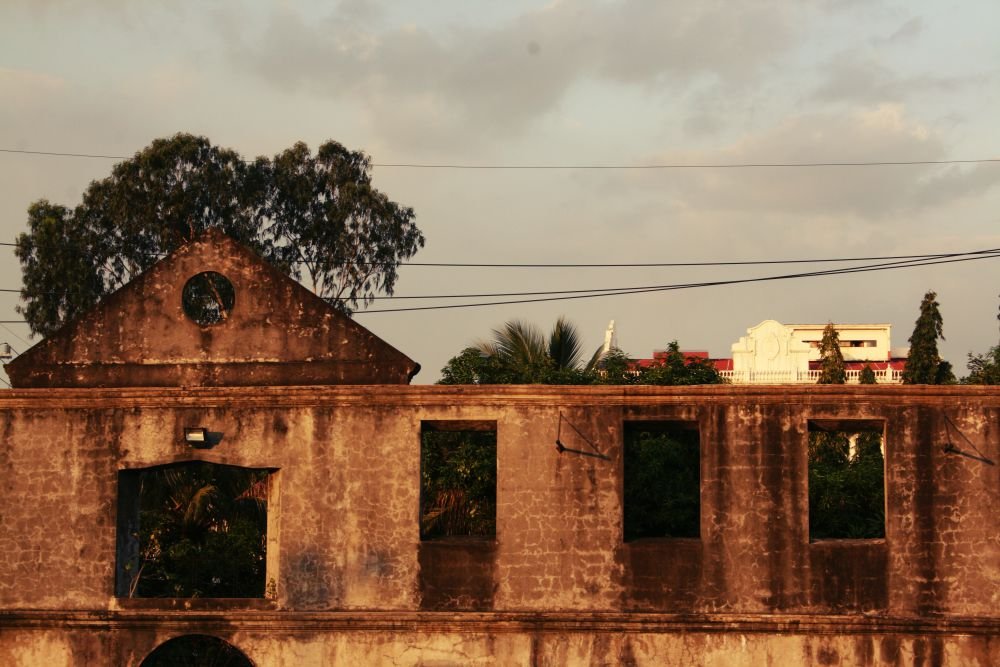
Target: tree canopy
{"x": 518, "y": 353}
{"x": 924, "y": 365}
{"x": 984, "y": 368}
{"x": 318, "y": 217}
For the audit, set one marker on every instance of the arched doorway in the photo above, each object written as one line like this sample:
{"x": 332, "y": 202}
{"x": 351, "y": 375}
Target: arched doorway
{"x": 196, "y": 651}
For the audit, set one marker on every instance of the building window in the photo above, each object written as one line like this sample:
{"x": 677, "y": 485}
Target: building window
{"x": 458, "y": 479}
{"x": 208, "y": 298}
{"x": 846, "y": 479}
{"x": 662, "y": 480}
{"x": 858, "y": 343}
{"x": 192, "y": 530}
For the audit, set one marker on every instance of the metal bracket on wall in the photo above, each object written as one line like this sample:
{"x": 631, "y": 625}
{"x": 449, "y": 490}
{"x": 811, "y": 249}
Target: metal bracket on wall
{"x": 560, "y": 447}
{"x": 950, "y": 447}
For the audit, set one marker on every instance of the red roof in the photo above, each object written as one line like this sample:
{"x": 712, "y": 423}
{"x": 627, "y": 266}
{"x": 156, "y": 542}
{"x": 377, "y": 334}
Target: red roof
{"x": 660, "y": 355}
{"x": 727, "y": 364}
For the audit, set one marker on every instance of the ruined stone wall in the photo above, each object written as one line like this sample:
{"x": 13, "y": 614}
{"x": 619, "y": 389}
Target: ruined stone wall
{"x": 352, "y": 579}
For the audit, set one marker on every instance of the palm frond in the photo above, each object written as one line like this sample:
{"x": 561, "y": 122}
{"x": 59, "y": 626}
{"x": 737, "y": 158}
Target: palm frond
{"x": 520, "y": 342}
{"x": 595, "y": 359}
{"x": 564, "y": 344}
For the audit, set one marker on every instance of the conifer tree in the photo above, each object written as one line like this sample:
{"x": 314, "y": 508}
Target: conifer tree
{"x": 923, "y": 365}
{"x": 867, "y": 375}
{"x": 831, "y": 360}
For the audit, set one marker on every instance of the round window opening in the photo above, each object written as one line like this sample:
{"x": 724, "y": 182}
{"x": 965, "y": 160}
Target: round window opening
{"x": 208, "y": 298}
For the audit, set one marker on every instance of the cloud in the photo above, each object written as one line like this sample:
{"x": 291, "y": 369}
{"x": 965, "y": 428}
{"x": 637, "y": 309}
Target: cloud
{"x": 24, "y": 90}
{"x": 489, "y": 82}
{"x": 861, "y": 79}
{"x": 910, "y": 29}
{"x": 881, "y": 133}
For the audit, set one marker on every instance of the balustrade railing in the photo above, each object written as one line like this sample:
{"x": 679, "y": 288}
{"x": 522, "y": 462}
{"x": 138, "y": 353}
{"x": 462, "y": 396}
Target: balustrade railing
{"x": 887, "y": 376}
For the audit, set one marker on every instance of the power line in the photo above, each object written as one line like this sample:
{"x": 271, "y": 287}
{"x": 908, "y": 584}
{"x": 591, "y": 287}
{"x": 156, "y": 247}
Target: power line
{"x": 14, "y": 333}
{"x": 944, "y": 259}
{"x": 703, "y": 165}
{"x": 664, "y": 288}
{"x": 550, "y": 265}
{"x": 691, "y": 264}
{"x": 58, "y": 154}
{"x": 641, "y": 288}
{"x": 899, "y": 261}
{"x": 668, "y": 165}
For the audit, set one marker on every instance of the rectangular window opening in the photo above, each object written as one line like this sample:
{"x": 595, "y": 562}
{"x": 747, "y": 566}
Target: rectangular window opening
{"x": 846, "y": 479}
{"x": 192, "y": 530}
{"x": 458, "y": 479}
{"x": 662, "y": 480}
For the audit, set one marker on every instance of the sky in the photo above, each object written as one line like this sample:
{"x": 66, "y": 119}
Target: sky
{"x": 571, "y": 83}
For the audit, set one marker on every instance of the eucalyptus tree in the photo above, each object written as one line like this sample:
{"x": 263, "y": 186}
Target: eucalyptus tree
{"x": 314, "y": 216}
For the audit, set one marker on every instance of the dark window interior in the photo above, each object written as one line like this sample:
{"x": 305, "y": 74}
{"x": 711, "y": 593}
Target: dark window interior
{"x": 662, "y": 485}
{"x": 846, "y": 480}
{"x": 458, "y": 479}
{"x": 191, "y": 530}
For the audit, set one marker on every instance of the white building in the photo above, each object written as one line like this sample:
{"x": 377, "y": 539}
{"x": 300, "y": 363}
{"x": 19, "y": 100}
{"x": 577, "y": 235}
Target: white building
{"x": 776, "y": 353}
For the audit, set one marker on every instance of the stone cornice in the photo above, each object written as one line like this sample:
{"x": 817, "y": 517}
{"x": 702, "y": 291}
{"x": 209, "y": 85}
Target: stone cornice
{"x": 512, "y": 395}
{"x": 286, "y": 622}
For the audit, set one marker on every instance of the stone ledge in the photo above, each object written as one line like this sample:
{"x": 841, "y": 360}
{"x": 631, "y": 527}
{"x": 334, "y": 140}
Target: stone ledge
{"x": 502, "y": 395}
{"x": 281, "y": 622}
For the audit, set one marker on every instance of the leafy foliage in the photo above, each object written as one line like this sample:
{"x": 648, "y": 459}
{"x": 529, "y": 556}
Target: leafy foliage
{"x": 677, "y": 369}
{"x": 984, "y": 368}
{"x": 662, "y": 483}
{"x": 458, "y": 483}
{"x": 831, "y": 359}
{"x": 518, "y": 353}
{"x": 298, "y": 211}
{"x": 846, "y": 495}
{"x": 867, "y": 375}
{"x": 202, "y": 532}
{"x": 924, "y": 364}
{"x": 521, "y": 354}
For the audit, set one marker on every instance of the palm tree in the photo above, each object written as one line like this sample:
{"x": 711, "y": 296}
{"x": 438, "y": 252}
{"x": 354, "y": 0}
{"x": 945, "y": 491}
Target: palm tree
{"x": 522, "y": 350}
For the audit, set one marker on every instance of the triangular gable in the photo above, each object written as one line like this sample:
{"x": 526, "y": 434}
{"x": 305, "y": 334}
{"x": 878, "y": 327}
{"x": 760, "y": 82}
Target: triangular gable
{"x": 277, "y": 333}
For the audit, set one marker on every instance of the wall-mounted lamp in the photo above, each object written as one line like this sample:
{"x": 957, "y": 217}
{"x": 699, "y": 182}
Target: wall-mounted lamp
{"x": 200, "y": 437}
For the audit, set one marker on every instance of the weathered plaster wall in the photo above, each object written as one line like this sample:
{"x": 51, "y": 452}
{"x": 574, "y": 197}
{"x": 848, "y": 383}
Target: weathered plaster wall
{"x": 344, "y": 533}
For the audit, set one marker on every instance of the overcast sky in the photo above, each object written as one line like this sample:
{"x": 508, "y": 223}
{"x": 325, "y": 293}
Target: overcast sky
{"x": 579, "y": 82}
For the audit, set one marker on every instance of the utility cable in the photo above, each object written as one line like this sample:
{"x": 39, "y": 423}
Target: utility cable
{"x": 907, "y": 260}
{"x": 667, "y": 165}
{"x": 754, "y": 262}
{"x": 665, "y": 288}
{"x": 14, "y": 334}
{"x": 639, "y": 288}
